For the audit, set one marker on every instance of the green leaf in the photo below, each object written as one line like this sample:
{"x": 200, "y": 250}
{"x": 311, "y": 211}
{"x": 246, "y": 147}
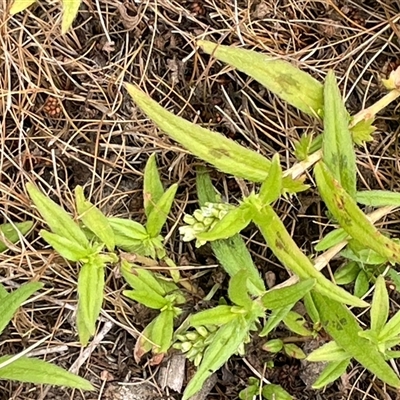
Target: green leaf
{"x": 296, "y": 323}
{"x": 70, "y": 11}
{"x": 141, "y": 279}
{"x": 129, "y": 235}
{"x": 219, "y": 315}
{"x": 286, "y": 250}
{"x": 90, "y": 292}
{"x": 233, "y": 222}
{"x": 291, "y": 84}
{"x": 273, "y": 346}
{"x": 362, "y": 131}
{"x": 94, "y": 219}
{"x": 361, "y": 285}
{"x": 332, "y": 371}
{"x": 237, "y": 290}
{"x": 162, "y": 330}
{"x": 150, "y": 300}
{"x": 351, "y": 218}
{"x": 152, "y": 186}
{"x": 232, "y": 253}
{"x": 274, "y": 319}
{"x": 13, "y": 231}
{"x": 311, "y": 308}
{"x": 225, "y": 343}
{"x": 380, "y": 305}
{"x": 278, "y": 298}
{"x": 10, "y": 302}
{"x": 159, "y": 214}
{"x": 275, "y": 392}
{"x": 40, "y": 372}
{"x": 328, "y": 352}
{"x": 56, "y": 217}
{"x": 3, "y": 293}
{"x": 68, "y": 249}
{"x": 294, "y": 351}
{"x": 271, "y": 188}
{"x": 20, "y": 5}
{"x": 252, "y": 389}
{"x": 331, "y": 239}
{"x": 391, "y": 329}
{"x": 337, "y": 147}
{"x": 395, "y": 278}
{"x": 378, "y": 198}
{"x": 302, "y": 147}
{"x": 346, "y": 273}
{"x": 143, "y": 343}
{"x": 342, "y": 326}
{"x": 225, "y": 154}
{"x": 363, "y": 256}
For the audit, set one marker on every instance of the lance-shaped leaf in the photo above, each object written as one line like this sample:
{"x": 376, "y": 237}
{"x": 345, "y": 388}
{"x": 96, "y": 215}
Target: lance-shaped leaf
{"x": 233, "y": 222}
{"x": 20, "y": 5}
{"x": 378, "y": 198}
{"x": 152, "y": 186}
{"x": 311, "y": 308}
{"x": 350, "y": 217}
{"x": 337, "y": 148}
{"x": 232, "y": 253}
{"x": 225, "y": 154}
{"x": 56, "y": 217}
{"x": 219, "y": 315}
{"x": 70, "y": 11}
{"x": 68, "y": 249}
{"x": 10, "y": 302}
{"x": 237, "y": 290}
{"x": 286, "y": 250}
{"x": 142, "y": 279}
{"x": 275, "y": 392}
{"x": 329, "y": 352}
{"x": 278, "y": 298}
{"x": 379, "y": 306}
{"x": 343, "y": 327}
{"x": 40, "y": 372}
{"x": 274, "y": 319}
{"x": 225, "y": 343}
{"x": 294, "y": 351}
{"x": 391, "y": 329}
{"x": 361, "y": 284}
{"x": 296, "y": 323}
{"x": 162, "y": 330}
{"x": 332, "y": 371}
{"x": 159, "y": 213}
{"x": 128, "y": 235}
{"x": 291, "y": 84}
{"x": 271, "y": 188}
{"x": 347, "y": 273}
{"x": 143, "y": 343}
{"x": 331, "y": 239}
{"x": 90, "y": 292}
{"x": 13, "y": 231}
{"x": 150, "y": 300}
{"x": 94, "y": 219}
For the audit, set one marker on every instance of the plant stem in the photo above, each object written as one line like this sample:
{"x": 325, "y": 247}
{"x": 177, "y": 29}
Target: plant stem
{"x": 299, "y": 168}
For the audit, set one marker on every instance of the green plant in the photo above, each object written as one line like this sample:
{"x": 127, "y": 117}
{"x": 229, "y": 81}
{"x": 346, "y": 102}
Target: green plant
{"x": 20, "y": 367}
{"x": 10, "y": 233}
{"x": 92, "y": 241}
{"x": 70, "y": 10}
{"x": 335, "y": 176}
{"x": 155, "y": 292}
{"x": 269, "y": 392}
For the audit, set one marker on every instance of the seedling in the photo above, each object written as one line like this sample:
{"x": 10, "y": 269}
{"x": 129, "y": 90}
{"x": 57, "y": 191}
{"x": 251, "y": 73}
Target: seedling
{"x": 91, "y": 242}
